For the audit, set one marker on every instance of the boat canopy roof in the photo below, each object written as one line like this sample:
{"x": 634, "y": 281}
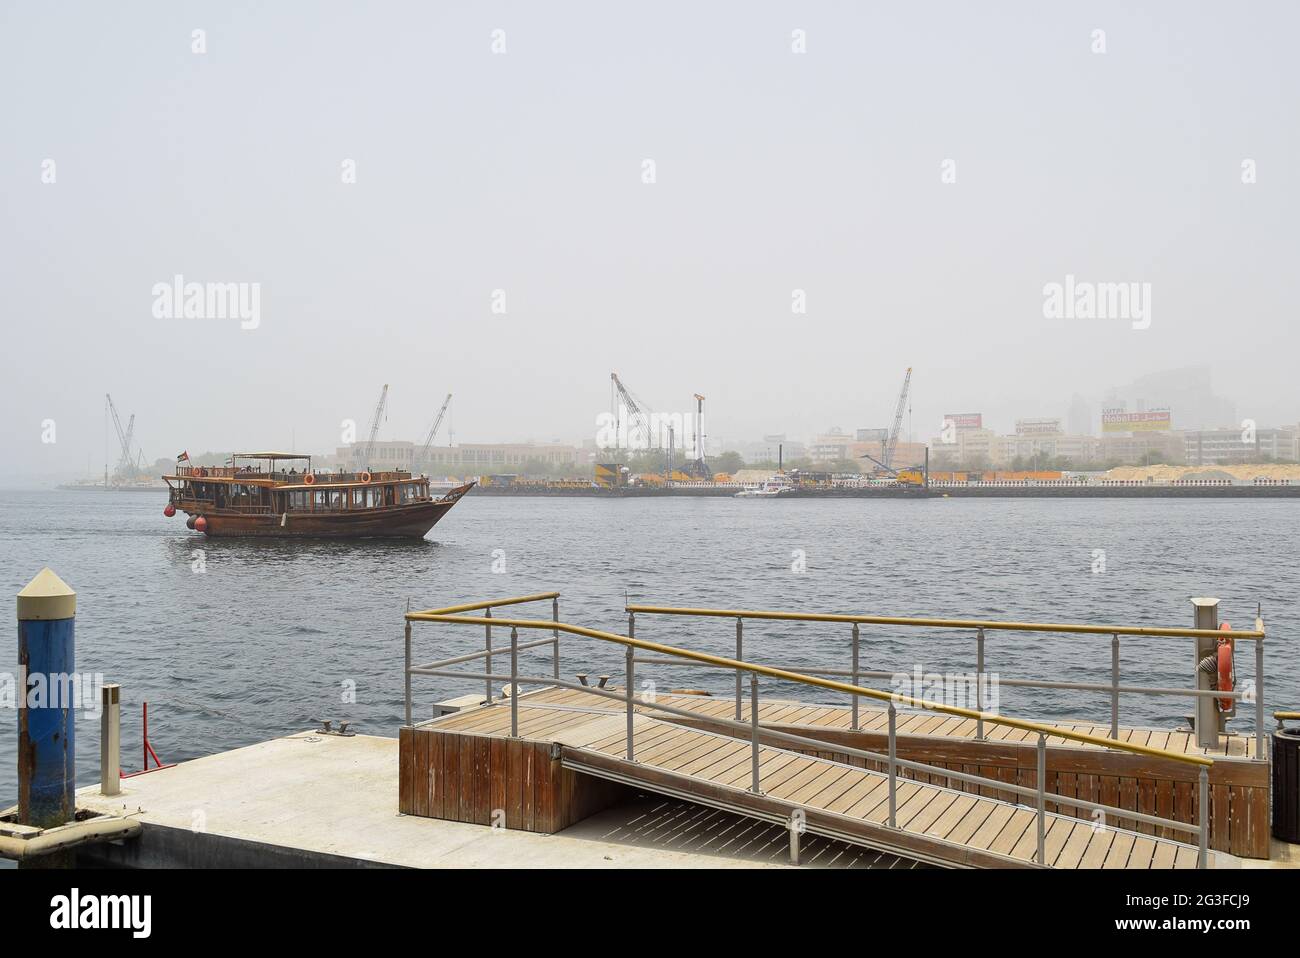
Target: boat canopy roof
{"x": 269, "y": 455}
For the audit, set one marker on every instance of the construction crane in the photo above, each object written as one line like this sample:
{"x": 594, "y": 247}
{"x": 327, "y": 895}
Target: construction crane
{"x": 374, "y": 427}
{"x": 890, "y": 443}
{"x": 433, "y": 431}
{"x": 888, "y": 456}
{"x": 127, "y": 466}
{"x": 638, "y": 418}
{"x": 699, "y": 469}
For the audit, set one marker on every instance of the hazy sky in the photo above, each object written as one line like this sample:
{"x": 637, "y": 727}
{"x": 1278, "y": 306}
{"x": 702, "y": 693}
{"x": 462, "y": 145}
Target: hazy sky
{"x": 523, "y": 171}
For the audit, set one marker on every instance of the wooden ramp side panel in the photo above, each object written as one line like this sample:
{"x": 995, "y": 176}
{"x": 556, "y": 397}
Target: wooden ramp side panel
{"x": 511, "y": 783}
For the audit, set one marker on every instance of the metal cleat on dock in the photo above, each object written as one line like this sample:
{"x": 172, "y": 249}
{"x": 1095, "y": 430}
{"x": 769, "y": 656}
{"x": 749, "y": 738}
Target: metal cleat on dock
{"x": 327, "y": 728}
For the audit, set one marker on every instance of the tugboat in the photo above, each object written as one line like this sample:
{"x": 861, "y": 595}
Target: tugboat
{"x": 256, "y": 496}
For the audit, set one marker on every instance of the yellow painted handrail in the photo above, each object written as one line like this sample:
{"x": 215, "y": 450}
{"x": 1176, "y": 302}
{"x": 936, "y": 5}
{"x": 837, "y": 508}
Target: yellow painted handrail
{"x": 439, "y": 615}
{"x": 492, "y": 603}
{"x": 987, "y": 625}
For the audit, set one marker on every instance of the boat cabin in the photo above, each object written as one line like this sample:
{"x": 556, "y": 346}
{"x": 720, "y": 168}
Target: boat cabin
{"x": 280, "y": 482}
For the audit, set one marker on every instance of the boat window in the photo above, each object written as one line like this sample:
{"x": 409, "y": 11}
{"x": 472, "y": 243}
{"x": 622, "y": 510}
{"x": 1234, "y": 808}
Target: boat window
{"x": 358, "y": 497}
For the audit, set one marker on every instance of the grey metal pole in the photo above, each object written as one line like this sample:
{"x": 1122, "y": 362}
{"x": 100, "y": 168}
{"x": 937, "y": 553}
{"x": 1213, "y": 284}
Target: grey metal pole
{"x": 1207, "y": 712}
{"x": 408, "y": 674}
{"x": 1042, "y": 797}
{"x": 893, "y": 765}
{"x": 555, "y": 633}
{"x": 1259, "y": 701}
{"x": 110, "y": 741}
{"x": 1202, "y": 858}
{"x": 740, "y": 633}
{"x": 855, "y": 675}
{"x": 979, "y": 682}
{"x": 631, "y": 679}
{"x": 487, "y": 647}
{"x": 1114, "y": 687}
{"x": 753, "y": 732}
{"x": 794, "y": 842}
{"x": 514, "y": 682}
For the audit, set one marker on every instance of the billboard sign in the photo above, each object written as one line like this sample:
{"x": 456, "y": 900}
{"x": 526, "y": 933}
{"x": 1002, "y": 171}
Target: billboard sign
{"x": 1118, "y": 420}
{"x": 1038, "y": 427}
{"x": 965, "y": 420}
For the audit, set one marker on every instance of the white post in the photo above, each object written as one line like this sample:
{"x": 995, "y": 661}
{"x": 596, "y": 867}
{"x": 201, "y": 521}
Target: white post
{"x": 110, "y": 741}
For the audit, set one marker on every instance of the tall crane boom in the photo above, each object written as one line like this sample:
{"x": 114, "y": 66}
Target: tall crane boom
{"x": 699, "y": 468}
{"x": 888, "y": 459}
{"x": 638, "y": 418}
{"x": 433, "y": 431}
{"x": 125, "y": 462}
{"x": 374, "y": 427}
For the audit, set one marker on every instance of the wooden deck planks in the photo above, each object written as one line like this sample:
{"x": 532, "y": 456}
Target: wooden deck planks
{"x": 957, "y": 815}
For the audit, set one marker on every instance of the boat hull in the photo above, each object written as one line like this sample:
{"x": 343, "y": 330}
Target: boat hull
{"x": 409, "y": 521}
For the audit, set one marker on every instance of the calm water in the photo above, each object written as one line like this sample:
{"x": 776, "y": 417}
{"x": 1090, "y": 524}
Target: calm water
{"x": 266, "y": 638}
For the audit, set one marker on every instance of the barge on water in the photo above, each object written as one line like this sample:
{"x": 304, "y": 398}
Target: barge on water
{"x": 263, "y": 498}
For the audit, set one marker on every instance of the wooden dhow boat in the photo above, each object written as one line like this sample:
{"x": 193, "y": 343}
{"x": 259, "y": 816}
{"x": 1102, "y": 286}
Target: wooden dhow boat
{"x": 256, "y": 495}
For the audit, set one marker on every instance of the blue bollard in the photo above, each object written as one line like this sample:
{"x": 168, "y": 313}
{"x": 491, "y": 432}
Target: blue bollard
{"x": 47, "y": 753}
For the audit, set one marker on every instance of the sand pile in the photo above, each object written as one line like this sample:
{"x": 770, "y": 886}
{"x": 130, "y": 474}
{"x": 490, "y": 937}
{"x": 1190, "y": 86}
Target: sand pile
{"x": 1162, "y": 473}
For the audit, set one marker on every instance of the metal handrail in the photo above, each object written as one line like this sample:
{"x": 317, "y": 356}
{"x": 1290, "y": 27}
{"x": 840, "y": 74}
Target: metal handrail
{"x": 980, "y": 626}
{"x": 755, "y": 669}
{"x": 489, "y": 605}
{"x": 987, "y": 625}
{"x": 786, "y": 675}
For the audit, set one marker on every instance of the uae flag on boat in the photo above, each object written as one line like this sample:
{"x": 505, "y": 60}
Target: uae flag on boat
{"x": 183, "y": 457}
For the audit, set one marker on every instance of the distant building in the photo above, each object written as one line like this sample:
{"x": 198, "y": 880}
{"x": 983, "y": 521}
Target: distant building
{"x": 1079, "y": 422}
{"x": 831, "y": 446}
{"x": 466, "y": 458}
{"x": 1210, "y": 447}
{"x": 969, "y": 449}
{"x": 1143, "y": 447}
{"x": 770, "y": 449}
{"x": 1186, "y": 392}
{"x": 1080, "y": 450}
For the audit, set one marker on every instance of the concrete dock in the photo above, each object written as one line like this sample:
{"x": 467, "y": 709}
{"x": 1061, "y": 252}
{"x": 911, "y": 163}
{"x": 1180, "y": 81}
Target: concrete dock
{"x": 315, "y": 800}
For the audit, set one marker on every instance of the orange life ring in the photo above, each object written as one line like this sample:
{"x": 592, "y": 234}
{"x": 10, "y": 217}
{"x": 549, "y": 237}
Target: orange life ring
{"x": 309, "y": 479}
{"x": 365, "y": 477}
{"x": 1226, "y": 670}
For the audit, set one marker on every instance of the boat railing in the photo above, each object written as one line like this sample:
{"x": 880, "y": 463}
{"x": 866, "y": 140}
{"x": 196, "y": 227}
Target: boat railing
{"x": 318, "y": 478}
{"x": 758, "y": 732}
{"x": 978, "y": 630}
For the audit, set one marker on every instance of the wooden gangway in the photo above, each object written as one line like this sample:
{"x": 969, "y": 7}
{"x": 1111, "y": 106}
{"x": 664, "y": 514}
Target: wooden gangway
{"x": 546, "y": 746}
{"x": 934, "y": 824}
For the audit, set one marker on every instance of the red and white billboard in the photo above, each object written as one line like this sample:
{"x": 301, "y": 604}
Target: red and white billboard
{"x": 965, "y": 420}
